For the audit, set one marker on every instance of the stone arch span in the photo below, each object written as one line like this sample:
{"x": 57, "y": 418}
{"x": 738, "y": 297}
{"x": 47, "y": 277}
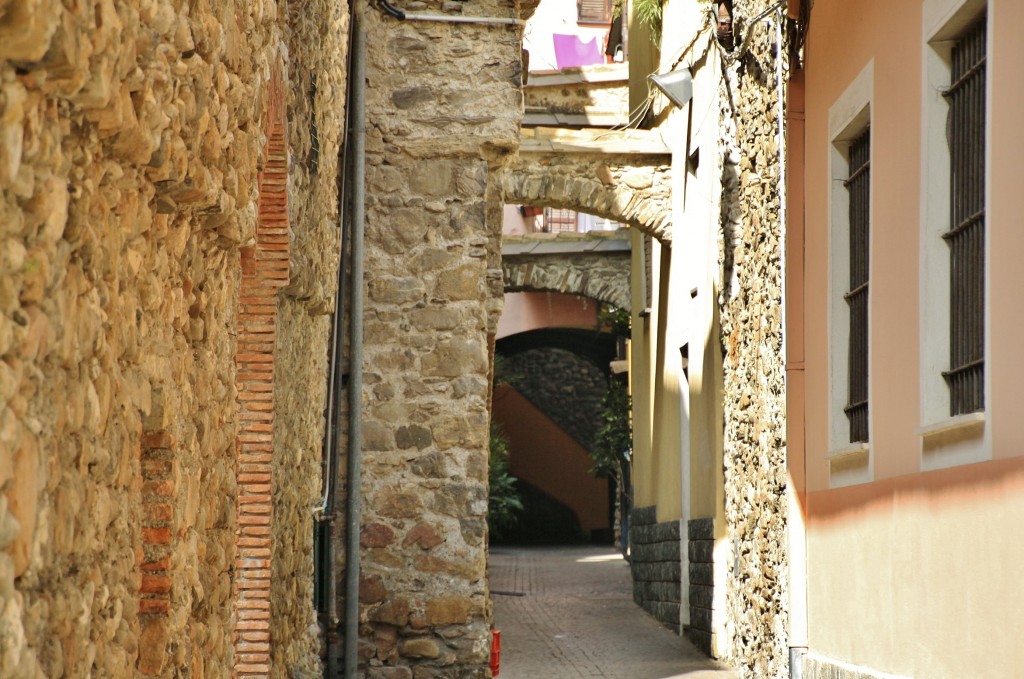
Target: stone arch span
{"x": 600, "y": 276}
{"x": 633, "y": 189}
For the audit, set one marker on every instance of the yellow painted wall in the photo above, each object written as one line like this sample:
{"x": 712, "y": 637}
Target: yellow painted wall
{"x": 641, "y": 374}
{"x": 666, "y": 440}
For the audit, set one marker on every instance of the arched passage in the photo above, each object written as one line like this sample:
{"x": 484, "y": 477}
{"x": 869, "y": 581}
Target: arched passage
{"x": 600, "y": 276}
{"x": 633, "y": 189}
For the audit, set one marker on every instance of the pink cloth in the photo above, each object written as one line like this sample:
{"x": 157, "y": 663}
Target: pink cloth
{"x": 571, "y": 51}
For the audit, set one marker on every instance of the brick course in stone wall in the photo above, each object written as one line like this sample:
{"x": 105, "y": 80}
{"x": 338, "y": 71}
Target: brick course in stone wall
{"x": 264, "y": 271}
{"x": 317, "y": 34}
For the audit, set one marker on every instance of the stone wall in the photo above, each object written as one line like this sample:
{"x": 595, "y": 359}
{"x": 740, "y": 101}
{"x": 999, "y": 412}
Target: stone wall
{"x": 317, "y": 35}
{"x": 751, "y": 313}
{"x": 130, "y": 139}
{"x": 701, "y": 552}
{"x": 597, "y": 94}
{"x": 631, "y": 189}
{"x": 655, "y": 563}
{"x": 443, "y": 110}
{"x": 604, "y": 277}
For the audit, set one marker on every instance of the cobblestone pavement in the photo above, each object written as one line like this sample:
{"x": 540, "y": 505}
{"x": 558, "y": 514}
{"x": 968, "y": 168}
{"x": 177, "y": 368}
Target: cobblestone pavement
{"x": 568, "y": 612}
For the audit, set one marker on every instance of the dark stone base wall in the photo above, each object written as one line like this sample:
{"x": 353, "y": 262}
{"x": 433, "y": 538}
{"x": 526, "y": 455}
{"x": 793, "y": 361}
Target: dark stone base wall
{"x": 656, "y": 566}
{"x": 700, "y": 548}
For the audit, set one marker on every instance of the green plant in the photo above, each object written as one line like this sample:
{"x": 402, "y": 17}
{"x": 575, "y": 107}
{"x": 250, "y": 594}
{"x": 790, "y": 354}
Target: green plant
{"x": 613, "y": 444}
{"x": 503, "y": 503}
{"x": 648, "y": 13}
{"x": 614, "y": 319}
{"x": 503, "y": 373}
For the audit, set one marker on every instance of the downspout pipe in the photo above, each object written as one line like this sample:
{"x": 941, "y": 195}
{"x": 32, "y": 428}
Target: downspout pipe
{"x": 355, "y": 430}
{"x": 325, "y": 513}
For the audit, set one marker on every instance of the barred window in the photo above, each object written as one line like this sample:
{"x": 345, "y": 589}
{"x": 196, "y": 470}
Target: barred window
{"x": 594, "y": 11}
{"x": 966, "y": 236}
{"x": 858, "y": 187}
{"x": 557, "y": 220}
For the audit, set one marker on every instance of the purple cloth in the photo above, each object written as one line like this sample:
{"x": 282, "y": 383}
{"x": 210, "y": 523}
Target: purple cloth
{"x": 571, "y": 51}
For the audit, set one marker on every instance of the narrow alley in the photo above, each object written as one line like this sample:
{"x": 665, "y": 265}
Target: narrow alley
{"x": 567, "y": 612}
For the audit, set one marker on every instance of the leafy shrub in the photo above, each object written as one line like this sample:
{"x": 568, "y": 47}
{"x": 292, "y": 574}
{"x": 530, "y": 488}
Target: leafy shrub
{"x": 504, "y": 503}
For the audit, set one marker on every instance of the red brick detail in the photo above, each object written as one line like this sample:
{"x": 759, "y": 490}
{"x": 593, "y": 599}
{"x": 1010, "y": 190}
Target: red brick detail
{"x": 159, "y": 531}
{"x": 265, "y": 268}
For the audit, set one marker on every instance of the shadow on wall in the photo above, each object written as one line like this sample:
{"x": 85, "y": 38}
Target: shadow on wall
{"x": 543, "y": 521}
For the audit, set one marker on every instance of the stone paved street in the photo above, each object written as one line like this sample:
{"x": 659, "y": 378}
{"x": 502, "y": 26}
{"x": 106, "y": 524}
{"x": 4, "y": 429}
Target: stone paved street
{"x": 567, "y": 612}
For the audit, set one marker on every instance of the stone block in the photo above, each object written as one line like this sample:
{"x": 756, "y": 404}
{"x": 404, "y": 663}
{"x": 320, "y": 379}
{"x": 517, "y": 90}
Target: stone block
{"x": 702, "y": 573}
{"x": 393, "y": 612}
{"x": 455, "y": 357}
{"x": 420, "y": 648}
{"x": 424, "y": 536}
{"x": 701, "y": 551}
{"x": 449, "y": 610}
{"x": 701, "y": 596}
{"x": 153, "y": 646}
{"x": 701, "y": 529}
{"x": 389, "y": 673}
{"x": 376, "y": 535}
{"x": 413, "y": 436}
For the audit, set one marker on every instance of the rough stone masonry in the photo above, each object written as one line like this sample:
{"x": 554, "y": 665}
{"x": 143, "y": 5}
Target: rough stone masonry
{"x": 443, "y": 109}
{"x": 751, "y": 312}
{"x": 155, "y": 195}
{"x": 130, "y": 145}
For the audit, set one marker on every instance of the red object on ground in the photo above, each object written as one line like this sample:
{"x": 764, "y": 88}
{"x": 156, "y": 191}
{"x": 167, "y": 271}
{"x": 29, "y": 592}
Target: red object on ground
{"x": 495, "y": 652}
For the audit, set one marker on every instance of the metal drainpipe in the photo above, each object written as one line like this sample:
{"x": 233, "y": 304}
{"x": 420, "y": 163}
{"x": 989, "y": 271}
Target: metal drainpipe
{"x": 327, "y": 508}
{"x": 355, "y": 452}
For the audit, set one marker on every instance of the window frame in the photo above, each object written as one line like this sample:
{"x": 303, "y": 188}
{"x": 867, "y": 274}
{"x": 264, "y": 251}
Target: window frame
{"x": 858, "y": 181}
{"x": 849, "y": 116}
{"x": 946, "y": 440}
{"x": 966, "y": 227}
{"x": 585, "y": 13}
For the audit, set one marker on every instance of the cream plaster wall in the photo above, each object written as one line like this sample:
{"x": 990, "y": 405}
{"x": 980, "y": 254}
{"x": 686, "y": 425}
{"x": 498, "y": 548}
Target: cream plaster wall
{"x": 1005, "y": 238}
{"x": 911, "y": 573}
{"x": 916, "y": 577}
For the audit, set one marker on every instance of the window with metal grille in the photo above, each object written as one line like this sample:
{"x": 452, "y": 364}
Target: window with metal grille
{"x": 594, "y": 11}
{"x": 858, "y": 187}
{"x": 966, "y": 236}
{"x": 557, "y": 220}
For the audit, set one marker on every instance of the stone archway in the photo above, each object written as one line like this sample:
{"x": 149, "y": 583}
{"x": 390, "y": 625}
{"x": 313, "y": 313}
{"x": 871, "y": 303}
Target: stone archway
{"x": 600, "y": 276}
{"x": 627, "y": 179}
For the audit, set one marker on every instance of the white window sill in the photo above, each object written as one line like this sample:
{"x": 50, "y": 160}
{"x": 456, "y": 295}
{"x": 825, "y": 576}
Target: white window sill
{"x": 954, "y": 441}
{"x": 959, "y": 424}
{"x": 849, "y": 465}
{"x": 860, "y": 448}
